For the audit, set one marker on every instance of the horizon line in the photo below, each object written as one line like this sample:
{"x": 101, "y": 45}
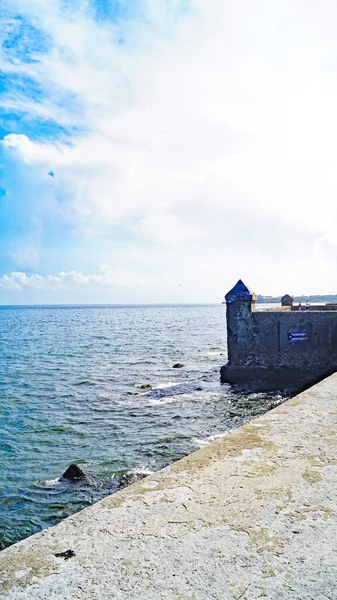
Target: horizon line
{"x": 116, "y": 304}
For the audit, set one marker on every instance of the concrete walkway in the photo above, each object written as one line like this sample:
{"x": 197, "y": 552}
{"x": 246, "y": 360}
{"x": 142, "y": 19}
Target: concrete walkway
{"x": 250, "y": 516}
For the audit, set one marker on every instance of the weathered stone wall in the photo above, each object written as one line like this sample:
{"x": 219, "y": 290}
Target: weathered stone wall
{"x": 267, "y": 339}
{"x": 281, "y": 348}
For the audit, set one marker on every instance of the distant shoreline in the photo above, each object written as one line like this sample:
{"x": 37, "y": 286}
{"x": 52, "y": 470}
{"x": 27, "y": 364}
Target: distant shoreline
{"x": 277, "y": 299}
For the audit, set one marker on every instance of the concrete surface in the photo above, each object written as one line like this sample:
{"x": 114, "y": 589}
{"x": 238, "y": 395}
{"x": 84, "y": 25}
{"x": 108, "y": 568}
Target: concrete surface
{"x": 252, "y": 515}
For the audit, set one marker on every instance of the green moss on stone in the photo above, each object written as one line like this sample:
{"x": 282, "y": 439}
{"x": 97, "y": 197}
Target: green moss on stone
{"x": 326, "y": 510}
{"x": 267, "y": 571}
{"x": 26, "y": 566}
{"x": 245, "y": 438}
{"x": 312, "y": 476}
{"x": 320, "y": 460}
{"x": 261, "y": 538}
{"x": 113, "y": 501}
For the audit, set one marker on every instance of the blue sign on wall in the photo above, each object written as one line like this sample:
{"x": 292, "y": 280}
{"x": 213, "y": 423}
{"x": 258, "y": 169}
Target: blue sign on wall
{"x": 297, "y": 336}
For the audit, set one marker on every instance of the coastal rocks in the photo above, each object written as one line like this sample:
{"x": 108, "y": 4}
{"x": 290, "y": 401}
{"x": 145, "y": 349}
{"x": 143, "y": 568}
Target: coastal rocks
{"x": 129, "y": 479}
{"x": 2, "y": 545}
{"x": 178, "y": 366}
{"x": 74, "y": 473}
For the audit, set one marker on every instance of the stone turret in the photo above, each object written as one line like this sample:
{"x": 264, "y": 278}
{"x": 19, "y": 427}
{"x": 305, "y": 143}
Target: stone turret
{"x": 287, "y": 300}
{"x": 240, "y": 301}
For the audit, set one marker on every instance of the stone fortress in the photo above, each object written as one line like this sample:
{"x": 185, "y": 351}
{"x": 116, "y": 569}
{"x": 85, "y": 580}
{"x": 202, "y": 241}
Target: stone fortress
{"x": 282, "y": 347}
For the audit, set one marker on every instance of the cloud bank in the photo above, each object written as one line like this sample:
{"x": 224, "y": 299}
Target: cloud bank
{"x": 106, "y": 276}
{"x": 177, "y": 142}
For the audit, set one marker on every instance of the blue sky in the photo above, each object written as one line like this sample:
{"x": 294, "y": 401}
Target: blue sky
{"x": 157, "y": 151}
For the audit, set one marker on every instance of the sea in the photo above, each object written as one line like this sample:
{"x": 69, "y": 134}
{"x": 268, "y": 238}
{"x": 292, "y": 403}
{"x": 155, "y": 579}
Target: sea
{"x": 95, "y": 386}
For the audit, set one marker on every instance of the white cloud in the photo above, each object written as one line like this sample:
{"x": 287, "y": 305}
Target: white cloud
{"x": 106, "y": 277}
{"x": 213, "y": 132}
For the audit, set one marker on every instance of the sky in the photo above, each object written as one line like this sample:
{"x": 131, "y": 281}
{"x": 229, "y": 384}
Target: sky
{"x": 159, "y": 150}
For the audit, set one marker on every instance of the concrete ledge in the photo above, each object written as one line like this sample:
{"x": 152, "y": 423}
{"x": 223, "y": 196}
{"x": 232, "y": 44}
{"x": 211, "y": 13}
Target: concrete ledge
{"x": 252, "y": 515}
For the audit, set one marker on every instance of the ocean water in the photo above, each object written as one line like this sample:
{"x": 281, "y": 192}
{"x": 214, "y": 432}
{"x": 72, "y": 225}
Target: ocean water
{"x": 74, "y": 388}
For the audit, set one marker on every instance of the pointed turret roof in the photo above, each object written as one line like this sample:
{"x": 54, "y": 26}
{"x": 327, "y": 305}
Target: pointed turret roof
{"x": 239, "y": 292}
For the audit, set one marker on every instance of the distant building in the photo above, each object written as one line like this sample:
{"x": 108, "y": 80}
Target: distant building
{"x": 262, "y": 299}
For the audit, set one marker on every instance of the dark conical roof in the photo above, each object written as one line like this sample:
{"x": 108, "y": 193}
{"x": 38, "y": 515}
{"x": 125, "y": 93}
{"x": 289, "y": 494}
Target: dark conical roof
{"x": 287, "y": 300}
{"x": 239, "y": 292}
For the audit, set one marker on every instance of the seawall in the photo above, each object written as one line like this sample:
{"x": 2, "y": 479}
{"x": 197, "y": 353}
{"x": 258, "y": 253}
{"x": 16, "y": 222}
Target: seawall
{"x": 252, "y": 515}
{"x": 277, "y": 348}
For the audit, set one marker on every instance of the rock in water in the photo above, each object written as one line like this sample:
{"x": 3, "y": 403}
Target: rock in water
{"x": 130, "y": 478}
{"x": 2, "y": 545}
{"x": 178, "y": 366}
{"x": 74, "y": 473}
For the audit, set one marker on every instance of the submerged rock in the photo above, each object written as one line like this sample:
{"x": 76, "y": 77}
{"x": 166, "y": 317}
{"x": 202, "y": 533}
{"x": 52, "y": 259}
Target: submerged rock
{"x": 74, "y": 473}
{"x": 178, "y": 366}
{"x": 130, "y": 478}
{"x": 145, "y": 386}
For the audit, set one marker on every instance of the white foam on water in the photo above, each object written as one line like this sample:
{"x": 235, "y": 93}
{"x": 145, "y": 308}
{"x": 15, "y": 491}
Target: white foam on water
{"x": 142, "y": 470}
{"x": 209, "y": 439}
{"x": 136, "y": 470}
{"x": 165, "y": 384}
{"x": 171, "y": 399}
{"x": 52, "y": 481}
